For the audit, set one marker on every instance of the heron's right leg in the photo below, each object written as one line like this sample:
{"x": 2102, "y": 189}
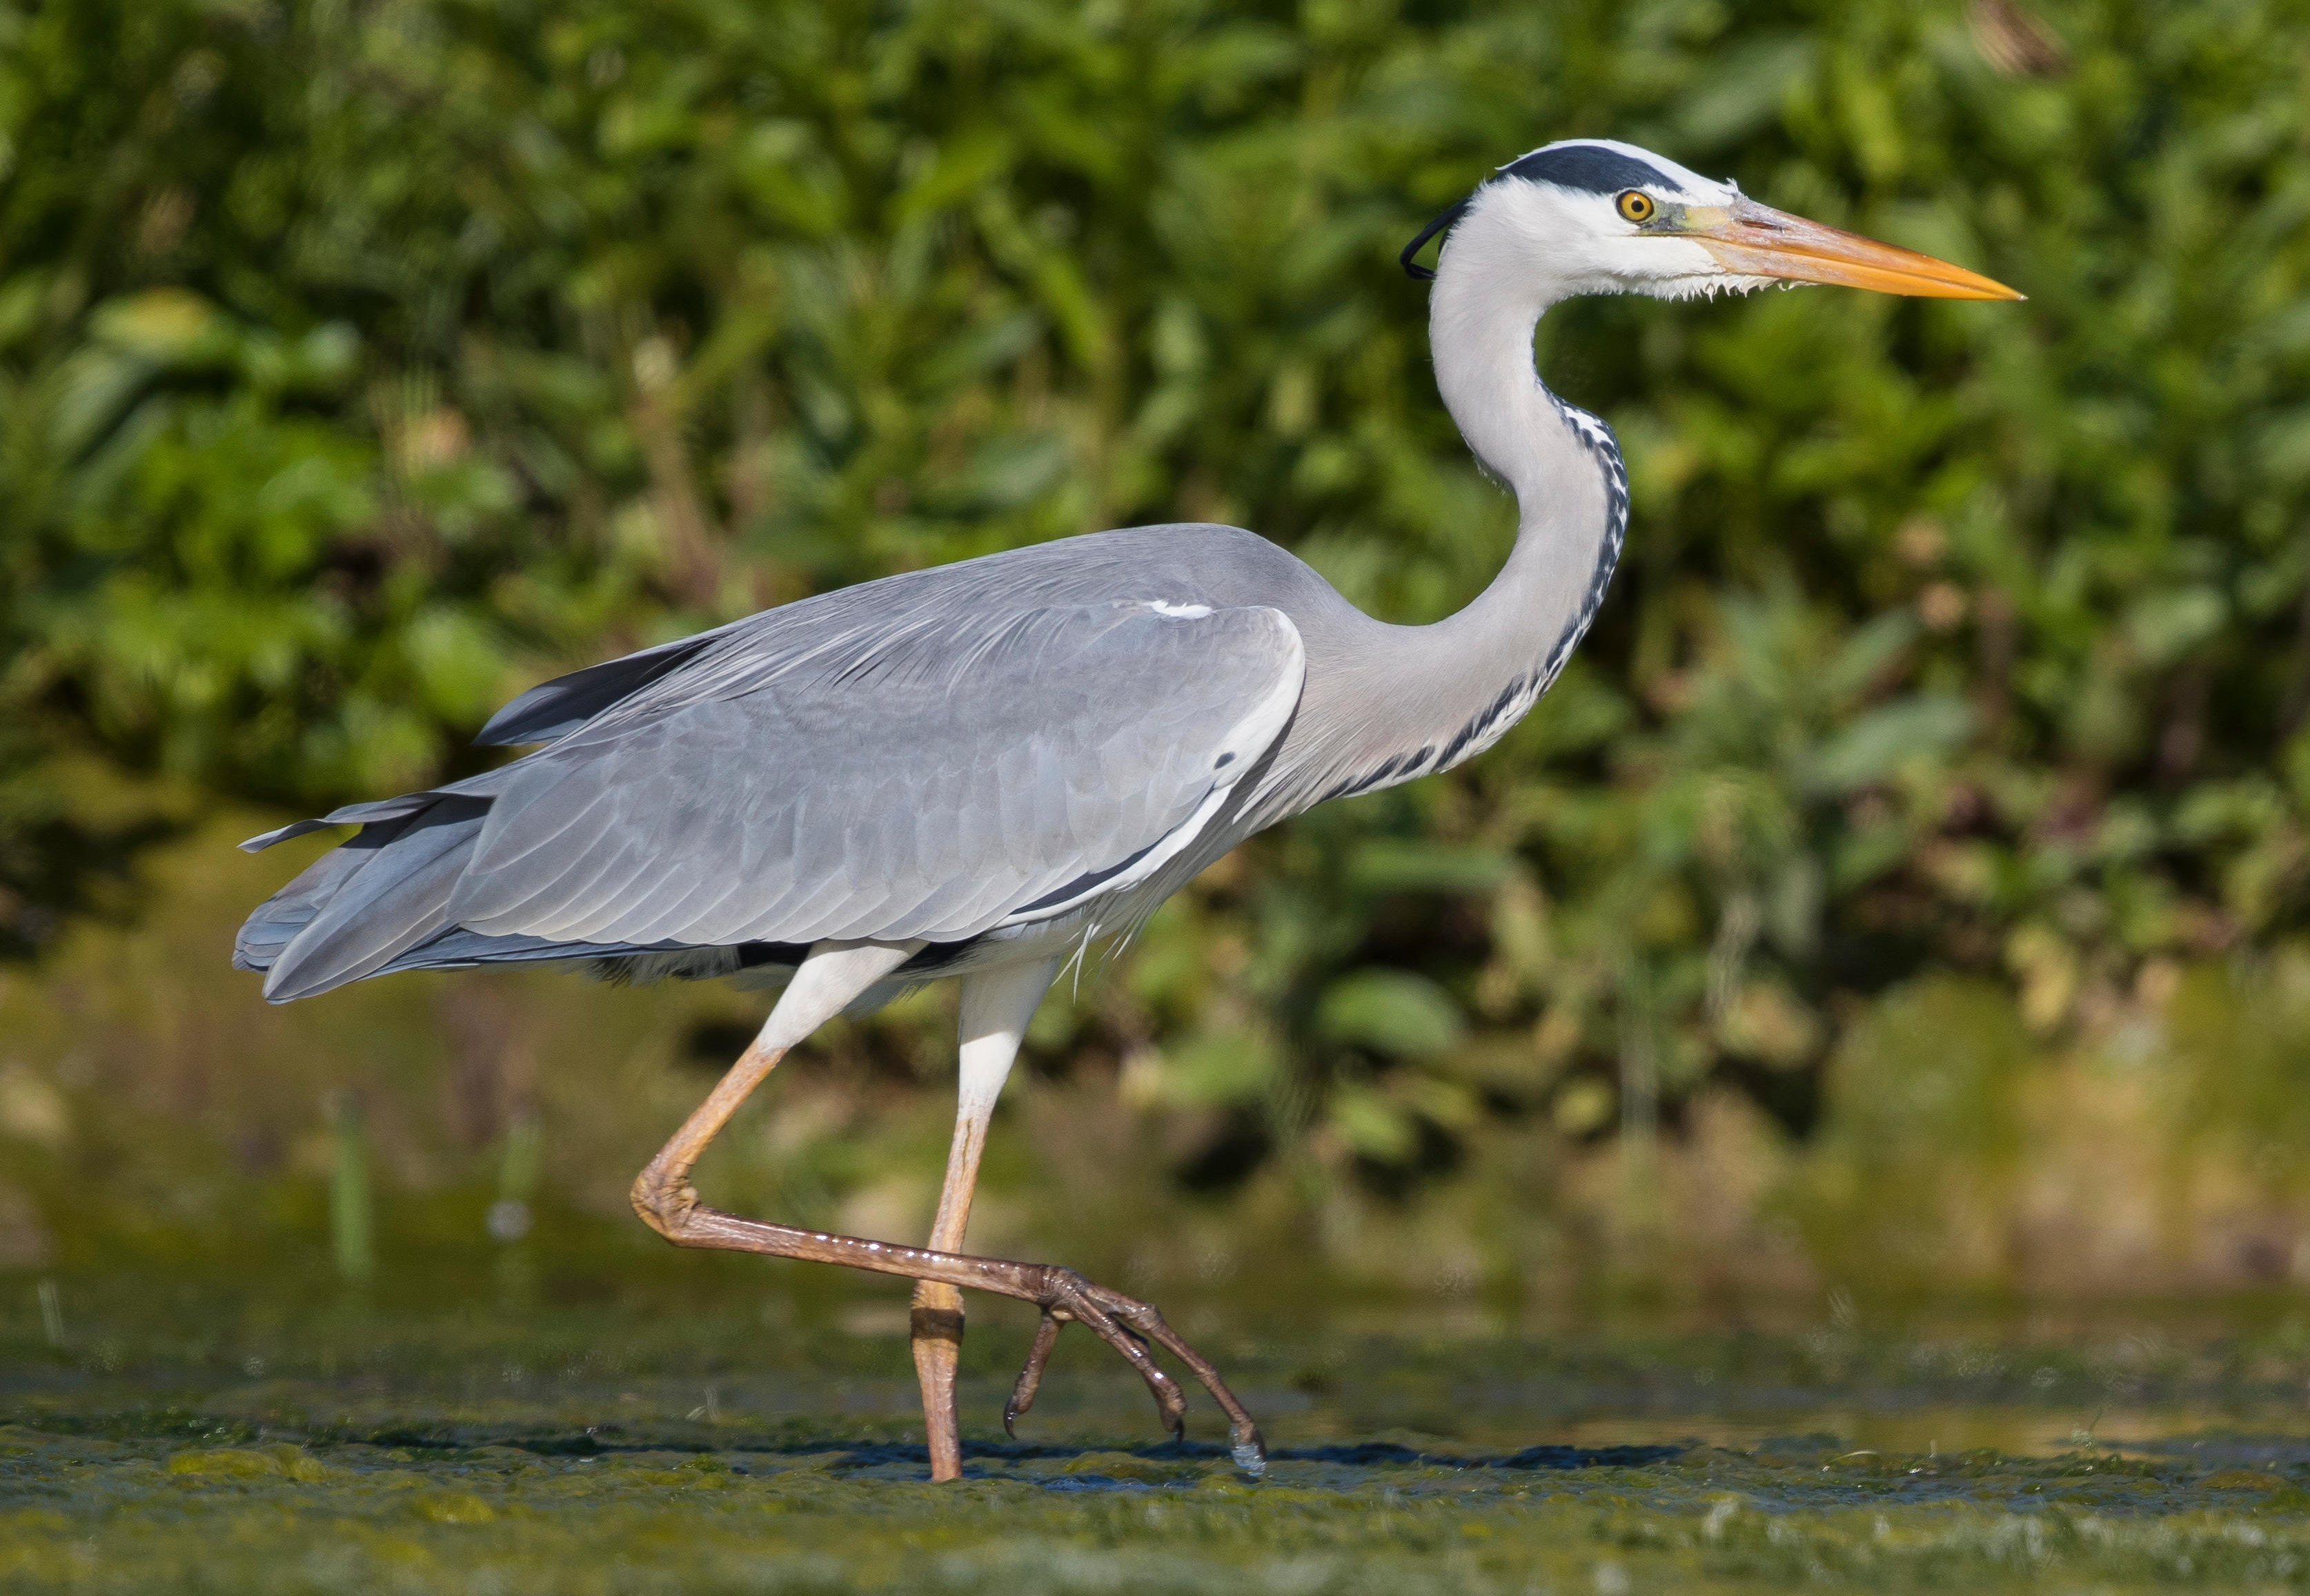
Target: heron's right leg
{"x": 995, "y": 1007}
{"x": 828, "y": 981}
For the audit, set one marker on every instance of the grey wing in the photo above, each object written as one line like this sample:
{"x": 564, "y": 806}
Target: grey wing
{"x": 947, "y": 779}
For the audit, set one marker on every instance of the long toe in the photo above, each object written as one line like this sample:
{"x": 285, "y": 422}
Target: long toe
{"x": 1030, "y": 1376}
{"x": 1143, "y": 1319}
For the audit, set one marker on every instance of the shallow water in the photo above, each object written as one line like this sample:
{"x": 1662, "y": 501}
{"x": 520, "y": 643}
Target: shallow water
{"x": 177, "y": 1442}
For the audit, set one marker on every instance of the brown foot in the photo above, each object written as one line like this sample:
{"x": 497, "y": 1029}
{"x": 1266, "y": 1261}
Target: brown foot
{"x": 663, "y": 1196}
{"x": 1128, "y": 1324}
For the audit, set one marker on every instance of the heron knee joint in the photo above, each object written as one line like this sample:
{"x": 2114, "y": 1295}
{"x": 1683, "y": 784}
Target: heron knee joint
{"x": 665, "y": 1200}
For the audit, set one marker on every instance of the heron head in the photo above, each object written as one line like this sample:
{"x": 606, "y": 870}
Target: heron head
{"x": 1595, "y": 216}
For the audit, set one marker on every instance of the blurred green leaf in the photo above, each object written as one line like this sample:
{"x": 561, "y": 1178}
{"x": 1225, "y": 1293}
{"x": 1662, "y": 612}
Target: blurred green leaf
{"x": 1390, "y": 1012}
{"x": 1372, "y": 1126}
{"x": 1875, "y": 746}
{"x": 1399, "y": 864}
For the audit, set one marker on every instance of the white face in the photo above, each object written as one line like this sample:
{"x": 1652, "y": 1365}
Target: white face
{"x": 1617, "y": 228}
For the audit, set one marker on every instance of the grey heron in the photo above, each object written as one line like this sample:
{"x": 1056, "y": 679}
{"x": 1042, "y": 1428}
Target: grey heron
{"x": 977, "y": 769}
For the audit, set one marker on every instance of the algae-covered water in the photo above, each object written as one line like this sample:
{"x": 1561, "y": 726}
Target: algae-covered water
{"x": 161, "y": 1440}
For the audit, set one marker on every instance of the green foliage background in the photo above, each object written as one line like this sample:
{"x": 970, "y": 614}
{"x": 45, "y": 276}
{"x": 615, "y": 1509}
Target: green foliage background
{"x": 364, "y": 360}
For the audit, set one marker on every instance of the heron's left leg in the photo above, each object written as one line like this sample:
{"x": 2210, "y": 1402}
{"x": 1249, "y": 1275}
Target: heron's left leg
{"x": 996, "y": 1005}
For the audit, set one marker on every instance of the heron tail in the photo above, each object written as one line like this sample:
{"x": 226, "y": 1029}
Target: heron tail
{"x": 360, "y": 907}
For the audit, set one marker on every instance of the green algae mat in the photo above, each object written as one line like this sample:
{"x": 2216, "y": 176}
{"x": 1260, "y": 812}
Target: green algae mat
{"x": 611, "y": 1452}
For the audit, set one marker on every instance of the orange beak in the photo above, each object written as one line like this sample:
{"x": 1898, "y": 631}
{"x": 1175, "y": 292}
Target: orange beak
{"x": 1755, "y": 240}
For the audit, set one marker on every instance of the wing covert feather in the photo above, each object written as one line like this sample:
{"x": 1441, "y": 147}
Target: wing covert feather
{"x": 936, "y": 781}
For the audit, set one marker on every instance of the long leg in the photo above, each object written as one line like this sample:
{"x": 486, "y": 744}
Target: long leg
{"x": 996, "y": 1005}
{"x": 829, "y": 978}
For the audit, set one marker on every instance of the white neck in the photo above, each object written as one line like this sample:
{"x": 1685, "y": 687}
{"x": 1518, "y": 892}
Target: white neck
{"x": 1488, "y": 300}
{"x": 1401, "y": 702}
{"x": 1493, "y": 283}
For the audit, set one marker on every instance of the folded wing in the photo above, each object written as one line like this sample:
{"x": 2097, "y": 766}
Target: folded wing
{"x": 933, "y": 778}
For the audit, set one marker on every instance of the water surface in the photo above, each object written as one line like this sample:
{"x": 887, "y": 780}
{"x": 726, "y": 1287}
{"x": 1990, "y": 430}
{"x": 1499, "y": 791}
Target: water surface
{"x": 180, "y": 1441}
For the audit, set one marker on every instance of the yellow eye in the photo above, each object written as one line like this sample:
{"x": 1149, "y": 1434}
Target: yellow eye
{"x": 1637, "y": 205}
